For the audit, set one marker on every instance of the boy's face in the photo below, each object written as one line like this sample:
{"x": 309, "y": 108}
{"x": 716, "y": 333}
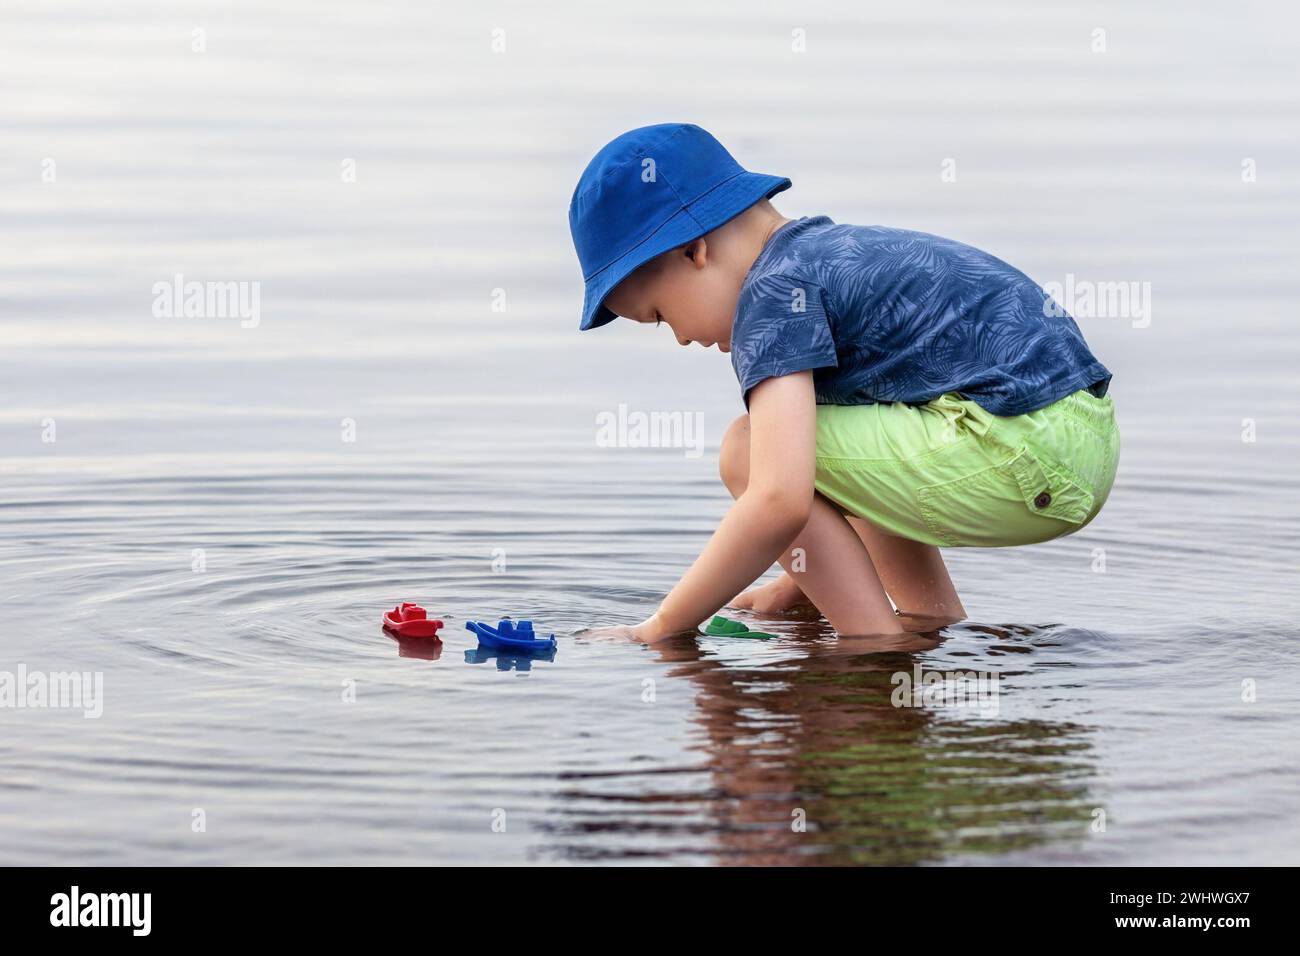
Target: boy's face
{"x": 691, "y": 292}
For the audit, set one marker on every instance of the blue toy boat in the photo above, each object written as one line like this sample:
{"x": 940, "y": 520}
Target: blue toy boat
{"x": 516, "y": 636}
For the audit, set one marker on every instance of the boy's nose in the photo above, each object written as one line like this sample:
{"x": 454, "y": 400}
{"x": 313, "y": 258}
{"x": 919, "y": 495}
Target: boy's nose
{"x": 683, "y": 342}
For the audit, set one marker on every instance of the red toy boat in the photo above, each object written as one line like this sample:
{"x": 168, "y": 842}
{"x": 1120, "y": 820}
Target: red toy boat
{"x": 409, "y": 620}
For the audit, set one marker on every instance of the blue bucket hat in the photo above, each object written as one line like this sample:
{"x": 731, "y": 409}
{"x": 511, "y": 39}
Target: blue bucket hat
{"x": 651, "y": 190}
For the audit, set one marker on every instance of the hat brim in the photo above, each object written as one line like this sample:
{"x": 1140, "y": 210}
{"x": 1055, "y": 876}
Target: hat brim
{"x": 719, "y": 205}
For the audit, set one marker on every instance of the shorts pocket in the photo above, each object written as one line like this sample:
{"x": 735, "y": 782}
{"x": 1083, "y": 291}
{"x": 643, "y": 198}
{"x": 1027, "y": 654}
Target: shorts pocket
{"x": 1020, "y": 501}
{"x": 1049, "y": 490}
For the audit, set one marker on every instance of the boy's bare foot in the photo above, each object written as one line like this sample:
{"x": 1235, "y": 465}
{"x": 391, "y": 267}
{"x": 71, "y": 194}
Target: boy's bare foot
{"x": 771, "y": 598}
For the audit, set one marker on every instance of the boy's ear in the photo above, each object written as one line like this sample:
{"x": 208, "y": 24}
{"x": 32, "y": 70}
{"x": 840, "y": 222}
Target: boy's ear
{"x": 698, "y": 252}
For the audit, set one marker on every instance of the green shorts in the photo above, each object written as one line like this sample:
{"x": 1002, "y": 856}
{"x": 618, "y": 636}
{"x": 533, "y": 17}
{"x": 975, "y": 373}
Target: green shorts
{"x": 951, "y": 474}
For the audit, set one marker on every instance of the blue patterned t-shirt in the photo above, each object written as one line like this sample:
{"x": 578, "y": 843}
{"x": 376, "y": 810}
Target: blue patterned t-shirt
{"x": 890, "y": 315}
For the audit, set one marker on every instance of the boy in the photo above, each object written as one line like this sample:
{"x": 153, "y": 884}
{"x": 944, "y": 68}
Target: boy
{"x": 904, "y": 391}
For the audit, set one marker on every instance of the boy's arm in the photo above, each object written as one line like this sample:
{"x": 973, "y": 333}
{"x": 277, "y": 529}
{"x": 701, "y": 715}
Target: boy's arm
{"x": 764, "y": 520}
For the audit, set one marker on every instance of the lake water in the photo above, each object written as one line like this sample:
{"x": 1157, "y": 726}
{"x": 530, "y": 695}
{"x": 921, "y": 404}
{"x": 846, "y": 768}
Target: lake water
{"x": 213, "y": 517}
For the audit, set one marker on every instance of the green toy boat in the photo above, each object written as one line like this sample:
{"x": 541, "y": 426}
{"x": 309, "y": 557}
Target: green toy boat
{"x": 725, "y": 627}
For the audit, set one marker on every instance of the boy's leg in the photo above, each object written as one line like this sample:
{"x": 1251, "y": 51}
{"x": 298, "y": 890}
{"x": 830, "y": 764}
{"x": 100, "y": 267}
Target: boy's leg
{"x": 913, "y": 575}
{"x": 834, "y": 568}
{"x": 912, "y": 572}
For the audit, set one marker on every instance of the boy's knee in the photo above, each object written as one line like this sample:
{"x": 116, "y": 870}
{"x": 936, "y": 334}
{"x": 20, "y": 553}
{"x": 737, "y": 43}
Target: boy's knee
{"x": 733, "y": 460}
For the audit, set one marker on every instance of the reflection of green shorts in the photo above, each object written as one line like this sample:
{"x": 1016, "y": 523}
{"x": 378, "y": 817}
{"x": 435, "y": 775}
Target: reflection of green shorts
{"x": 950, "y": 473}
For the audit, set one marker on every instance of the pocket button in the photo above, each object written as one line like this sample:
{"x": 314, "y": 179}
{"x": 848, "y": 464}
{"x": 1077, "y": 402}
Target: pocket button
{"x": 1042, "y": 500}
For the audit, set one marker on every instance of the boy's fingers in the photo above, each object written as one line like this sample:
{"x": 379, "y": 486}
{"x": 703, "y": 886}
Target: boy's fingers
{"x": 617, "y": 631}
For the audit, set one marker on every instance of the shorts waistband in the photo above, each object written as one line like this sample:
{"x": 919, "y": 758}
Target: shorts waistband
{"x": 1082, "y": 406}
{"x": 1087, "y": 406}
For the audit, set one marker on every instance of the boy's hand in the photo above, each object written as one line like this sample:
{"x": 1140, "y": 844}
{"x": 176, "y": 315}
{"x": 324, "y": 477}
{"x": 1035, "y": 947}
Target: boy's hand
{"x": 772, "y": 598}
{"x": 649, "y": 631}
{"x": 652, "y": 630}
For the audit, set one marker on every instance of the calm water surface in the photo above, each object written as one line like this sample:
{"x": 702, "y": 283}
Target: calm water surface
{"x": 201, "y": 533}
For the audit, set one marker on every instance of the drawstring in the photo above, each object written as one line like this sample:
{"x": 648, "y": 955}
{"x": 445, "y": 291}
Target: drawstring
{"x": 954, "y": 410}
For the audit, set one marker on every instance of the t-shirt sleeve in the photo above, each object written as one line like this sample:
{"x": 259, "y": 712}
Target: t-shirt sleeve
{"x": 781, "y": 327}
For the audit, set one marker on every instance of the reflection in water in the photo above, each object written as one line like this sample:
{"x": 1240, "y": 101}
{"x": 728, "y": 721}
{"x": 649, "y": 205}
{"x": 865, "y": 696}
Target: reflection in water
{"x": 419, "y": 648}
{"x": 507, "y": 661}
{"x": 810, "y": 760}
